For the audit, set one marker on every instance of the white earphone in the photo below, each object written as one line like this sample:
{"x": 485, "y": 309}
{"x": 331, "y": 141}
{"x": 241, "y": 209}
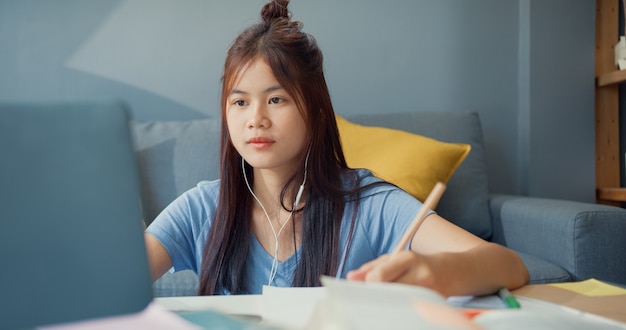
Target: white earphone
{"x": 299, "y": 194}
{"x": 274, "y": 268}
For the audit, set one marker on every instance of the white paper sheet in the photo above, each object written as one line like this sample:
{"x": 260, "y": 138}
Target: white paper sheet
{"x": 289, "y": 307}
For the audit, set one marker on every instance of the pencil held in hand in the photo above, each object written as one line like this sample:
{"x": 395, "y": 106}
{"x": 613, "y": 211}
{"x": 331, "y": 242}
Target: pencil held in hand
{"x": 429, "y": 204}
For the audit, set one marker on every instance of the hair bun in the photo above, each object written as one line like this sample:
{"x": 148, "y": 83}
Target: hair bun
{"x": 275, "y": 9}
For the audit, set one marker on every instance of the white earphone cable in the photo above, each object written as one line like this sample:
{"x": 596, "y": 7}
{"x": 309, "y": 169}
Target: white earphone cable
{"x": 274, "y": 268}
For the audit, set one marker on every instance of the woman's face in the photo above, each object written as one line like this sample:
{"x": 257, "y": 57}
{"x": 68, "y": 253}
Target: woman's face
{"x": 264, "y": 123}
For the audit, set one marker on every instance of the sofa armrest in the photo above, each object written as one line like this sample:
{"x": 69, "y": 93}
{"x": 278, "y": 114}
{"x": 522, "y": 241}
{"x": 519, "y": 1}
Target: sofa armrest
{"x": 588, "y": 240}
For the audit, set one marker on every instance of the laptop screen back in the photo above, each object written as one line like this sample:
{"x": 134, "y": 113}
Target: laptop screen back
{"x": 71, "y": 236}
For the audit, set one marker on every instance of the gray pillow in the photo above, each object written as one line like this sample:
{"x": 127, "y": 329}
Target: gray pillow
{"x": 173, "y": 156}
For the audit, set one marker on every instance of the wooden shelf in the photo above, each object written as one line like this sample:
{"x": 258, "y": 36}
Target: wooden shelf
{"x": 611, "y": 194}
{"x": 610, "y": 78}
{"x": 607, "y": 105}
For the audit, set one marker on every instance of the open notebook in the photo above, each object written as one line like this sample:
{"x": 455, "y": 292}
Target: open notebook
{"x": 71, "y": 235}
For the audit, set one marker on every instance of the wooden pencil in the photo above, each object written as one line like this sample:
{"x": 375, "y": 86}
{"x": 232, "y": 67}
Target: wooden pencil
{"x": 429, "y": 204}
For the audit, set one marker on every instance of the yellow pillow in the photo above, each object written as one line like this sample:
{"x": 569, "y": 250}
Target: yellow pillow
{"x": 413, "y": 162}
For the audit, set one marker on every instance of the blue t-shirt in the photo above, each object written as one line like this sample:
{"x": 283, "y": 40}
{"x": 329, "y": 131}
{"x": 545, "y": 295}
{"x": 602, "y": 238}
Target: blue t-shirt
{"x": 384, "y": 214}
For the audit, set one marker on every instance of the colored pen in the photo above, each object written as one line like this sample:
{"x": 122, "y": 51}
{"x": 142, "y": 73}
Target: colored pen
{"x": 508, "y": 298}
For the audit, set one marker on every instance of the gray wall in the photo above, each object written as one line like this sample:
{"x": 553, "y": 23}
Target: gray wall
{"x": 525, "y": 65}
{"x": 560, "y": 157}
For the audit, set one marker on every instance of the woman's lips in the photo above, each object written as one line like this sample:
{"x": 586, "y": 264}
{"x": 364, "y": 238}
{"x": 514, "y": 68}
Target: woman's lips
{"x": 260, "y": 142}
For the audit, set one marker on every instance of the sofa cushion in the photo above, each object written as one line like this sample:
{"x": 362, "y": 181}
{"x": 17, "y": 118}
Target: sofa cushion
{"x": 465, "y": 201}
{"x": 542, "y": 271}
{"x": 173, "y": 156}
{"x": 413, "y": 162}
{"x": 173, "y": 284}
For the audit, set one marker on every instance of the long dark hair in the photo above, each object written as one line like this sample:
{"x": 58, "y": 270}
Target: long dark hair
{"x": 296, "y": 62}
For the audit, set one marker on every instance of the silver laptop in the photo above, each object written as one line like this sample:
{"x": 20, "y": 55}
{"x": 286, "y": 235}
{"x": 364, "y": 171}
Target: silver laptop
{"x": 71, "y": 235}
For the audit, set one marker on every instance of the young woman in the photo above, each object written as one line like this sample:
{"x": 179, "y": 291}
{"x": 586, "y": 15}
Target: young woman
{"x": 287, "y": 209}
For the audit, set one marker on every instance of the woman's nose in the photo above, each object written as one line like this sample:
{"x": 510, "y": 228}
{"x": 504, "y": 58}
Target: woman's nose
{"x": 258, "y": 117}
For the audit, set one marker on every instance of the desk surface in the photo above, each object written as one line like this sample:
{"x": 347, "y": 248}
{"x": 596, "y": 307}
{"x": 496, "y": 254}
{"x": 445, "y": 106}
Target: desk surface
{"x": 292, "y": 308}
{"x": 232, "y": 305}
{"x": 284, "y": 307}
{"x": 609, "y": 306}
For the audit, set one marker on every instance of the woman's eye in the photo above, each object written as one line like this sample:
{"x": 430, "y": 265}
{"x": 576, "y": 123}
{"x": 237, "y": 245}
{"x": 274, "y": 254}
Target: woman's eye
{"x": 276, "y": 100}
{"x": 240, "y": 103}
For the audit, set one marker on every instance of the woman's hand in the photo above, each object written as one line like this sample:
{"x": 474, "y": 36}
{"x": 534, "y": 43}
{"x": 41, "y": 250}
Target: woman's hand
{"x": 450, "y": 260}
{"x": 405, "y": 267}
{"x": 480, "y": 270}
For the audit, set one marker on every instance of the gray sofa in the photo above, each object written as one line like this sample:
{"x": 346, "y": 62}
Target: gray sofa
{"x": 558, "y": 240}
